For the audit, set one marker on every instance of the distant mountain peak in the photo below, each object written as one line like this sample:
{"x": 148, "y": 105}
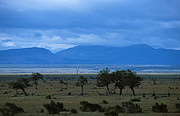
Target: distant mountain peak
{"x": 135, "y": 54}
{"x": 33, "y": 55}
{"x": 141, "y": 46}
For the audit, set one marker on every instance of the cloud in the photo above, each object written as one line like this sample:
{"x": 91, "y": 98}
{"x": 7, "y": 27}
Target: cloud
{"x": 59, "y": 24}
{"x": 8, "y": 44}
{"x": 55, "y": 40}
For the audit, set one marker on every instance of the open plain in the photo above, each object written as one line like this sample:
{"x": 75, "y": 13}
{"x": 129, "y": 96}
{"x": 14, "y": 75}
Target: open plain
{"x": 33, "y": 104}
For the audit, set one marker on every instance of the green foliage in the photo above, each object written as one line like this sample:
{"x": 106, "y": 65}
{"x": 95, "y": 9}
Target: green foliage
{"x": 10, "y": 109}
{"x": 54, "y": 108}
{"x": 113, "y": 111}
{"x": 119, "y": 77}
{"x": 104, "y": 102}
{"x": 89, "y": 107}
{"x": 48, "y": 97}
{"x": 130, "y": 107}
{"x": 160, "y": 108}
{"x": 74, "y": 111}
{"x": 35, "y": 77}
{"x": 82, "y": 81}
{"x": 178, "y": 107}
{"x": 110, "y": 112}
{"x": 135, "y": 99}
{"x": 21, "y": 83}
{"x": 132, "y": 80}
{"x": 104, "y": 78}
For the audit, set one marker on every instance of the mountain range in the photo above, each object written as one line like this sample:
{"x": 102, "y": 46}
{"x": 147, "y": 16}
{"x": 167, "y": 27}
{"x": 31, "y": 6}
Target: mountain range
{"x": 136, "y": 54}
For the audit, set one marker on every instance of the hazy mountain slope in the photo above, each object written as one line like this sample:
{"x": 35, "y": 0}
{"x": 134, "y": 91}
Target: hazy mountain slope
{"x": 29, "y": 56}
{"x": 137, "y": 54}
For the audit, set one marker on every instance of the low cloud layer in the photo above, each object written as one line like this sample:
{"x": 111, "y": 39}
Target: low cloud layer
{"x": 60, "y": 24}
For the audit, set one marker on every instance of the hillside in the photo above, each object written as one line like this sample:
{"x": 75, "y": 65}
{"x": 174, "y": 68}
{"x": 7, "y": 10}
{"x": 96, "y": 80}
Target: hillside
{"x": 136, "y": 54}
{"x": 29, "y": 56}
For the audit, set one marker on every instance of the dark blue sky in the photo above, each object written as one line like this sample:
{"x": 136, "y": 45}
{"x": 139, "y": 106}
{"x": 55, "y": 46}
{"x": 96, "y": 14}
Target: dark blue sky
{"x": 60, "y": 24}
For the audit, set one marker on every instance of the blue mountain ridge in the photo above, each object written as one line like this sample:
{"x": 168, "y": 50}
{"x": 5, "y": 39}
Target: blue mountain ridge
{"x": 32, "y": 55}
{"x": 136, "y": 54}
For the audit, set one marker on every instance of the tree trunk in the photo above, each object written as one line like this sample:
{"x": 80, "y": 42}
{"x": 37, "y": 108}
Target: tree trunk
{"x": 120, "y": 92}
{"x": 107, "y": 89}
{"x": 24, "y": 92}
{"x": 36, "y": 87}
{"x": 81, "y": 89}
{"x": 133, "y": 91}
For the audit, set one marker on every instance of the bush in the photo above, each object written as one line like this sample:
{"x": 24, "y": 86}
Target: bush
{"x": 48, "y": 97}
{"x": 73, "y": 111}
{"x": 178, "y": 107}
{"x": 160, "y": 108}
{"x": 54, "y": 108}
{"x": 89, "y": 107}
{"x": 118, "y": 108}
{"x": 129, "y": 107}
{"x": 110, "y": 113}
{"x": 136, "y": 100}
{"x": 10, "y": 109}
{"x": 113, "y": 111}
{"x": 104, "y": 102}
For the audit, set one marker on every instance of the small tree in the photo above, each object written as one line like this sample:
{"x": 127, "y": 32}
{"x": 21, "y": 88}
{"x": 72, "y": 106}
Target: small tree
{"x": 35, "y": 77}
{"x": 66, "y": 84}
{"x": 10, "y": 109}
{"x": 21, "y": 83}
{"x": 159, "y": 108}
{"x": 119, "y": 79}
{"x": 104, "y": 79}
{"x": 81, "y": 82}
{"x": 132, "y": 80}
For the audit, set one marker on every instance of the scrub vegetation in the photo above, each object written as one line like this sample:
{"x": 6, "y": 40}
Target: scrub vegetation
{"x": 107, "y": 93}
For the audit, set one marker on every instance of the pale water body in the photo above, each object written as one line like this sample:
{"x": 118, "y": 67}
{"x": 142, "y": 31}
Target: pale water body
{"x": 85, "y": 68}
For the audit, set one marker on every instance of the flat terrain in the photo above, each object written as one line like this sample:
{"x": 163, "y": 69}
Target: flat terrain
{"x": 33, "y": 104}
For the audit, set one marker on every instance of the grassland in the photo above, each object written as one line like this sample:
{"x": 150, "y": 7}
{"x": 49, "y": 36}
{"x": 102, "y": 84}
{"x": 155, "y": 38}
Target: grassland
{"x": 33, "y": 104}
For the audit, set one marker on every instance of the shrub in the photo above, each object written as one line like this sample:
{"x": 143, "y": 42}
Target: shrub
{"x": 178, "y": 107}
{"x": 135, "y": 99}
{"x": 54, "y": 108}
{"x": 73, "y": 111}
{"x": 48, "y": 97}
{"x": 89, "y": 107}
{"x": 104, "y": 102}
{"x": 129, "y": 107}
{"x": 110, "y": 113}
{"x": 160, "y": 108}
{"x": 10, "y": 109}
{"x": 118, "y": 108}
{"x": 40, "y": 111}
{"x": 113, "y": 111}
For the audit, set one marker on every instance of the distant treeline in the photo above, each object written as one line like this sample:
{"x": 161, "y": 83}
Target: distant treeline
{"x": 145, "y": 76}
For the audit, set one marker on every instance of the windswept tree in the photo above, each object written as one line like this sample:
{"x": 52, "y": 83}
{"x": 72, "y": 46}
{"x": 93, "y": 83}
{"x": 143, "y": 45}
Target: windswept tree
{"x": 104, "y": 79}
{"x": 21, "y": 83}
{"x": 119, "y": 79}
{"x": 81, "y": 82}
{"x": 35, "y": 77}
{"x": 133, "y": 80}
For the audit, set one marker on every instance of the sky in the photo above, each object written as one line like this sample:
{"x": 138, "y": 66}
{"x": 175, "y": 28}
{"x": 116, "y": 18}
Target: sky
{"x": 61, "y": 24}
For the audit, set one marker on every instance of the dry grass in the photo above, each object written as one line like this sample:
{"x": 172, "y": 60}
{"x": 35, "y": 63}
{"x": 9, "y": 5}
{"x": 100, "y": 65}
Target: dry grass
{"x": 33, "y": 104}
